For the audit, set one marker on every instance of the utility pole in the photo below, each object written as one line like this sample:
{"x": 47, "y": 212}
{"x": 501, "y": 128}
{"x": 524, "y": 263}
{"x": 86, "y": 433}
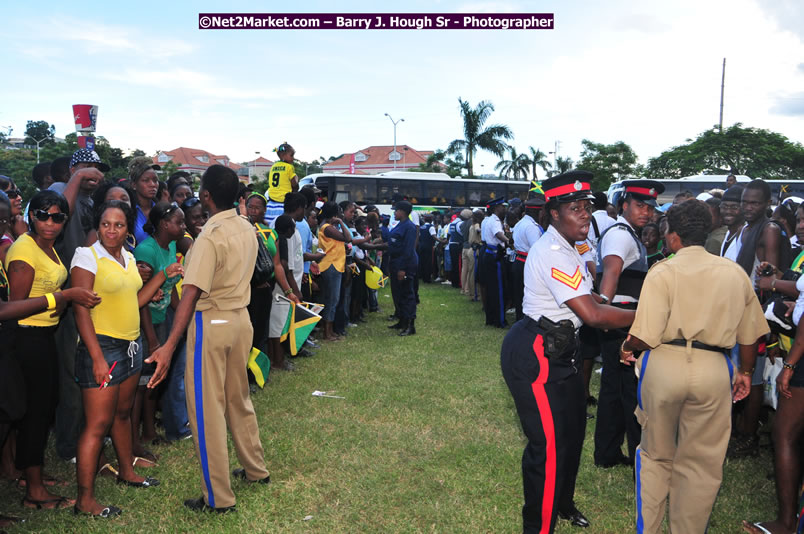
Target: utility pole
{"x": 722, "y": 87}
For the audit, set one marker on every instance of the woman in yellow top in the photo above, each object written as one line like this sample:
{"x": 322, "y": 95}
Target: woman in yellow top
{"x": 110, "y": 337}
{"x": 282, "y": 180}
{"x": 332, "y": 235}
{"x": 35, "y": 270}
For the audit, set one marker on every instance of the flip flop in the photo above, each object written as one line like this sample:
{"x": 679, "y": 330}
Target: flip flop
{"x": 42, "y": 505}
{"x": 107, "y": 470}
{"x": 755, "y": 528}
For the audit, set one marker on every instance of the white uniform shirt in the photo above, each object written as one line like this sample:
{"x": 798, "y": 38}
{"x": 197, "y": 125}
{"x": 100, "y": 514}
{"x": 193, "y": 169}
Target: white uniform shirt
{"x": 554, "y": 274}
{"x": 492, "y": 228}
{"x": 603, "y": 221}
{"x": 526, "y": 232}
{"x": 619, "y": 242}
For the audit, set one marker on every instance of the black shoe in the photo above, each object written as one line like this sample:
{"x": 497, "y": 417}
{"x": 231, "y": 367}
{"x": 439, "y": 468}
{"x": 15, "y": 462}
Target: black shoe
{"x": 393, "y": 317}
{"x": 198, "y": 505}
{"x": 303, "y": 353}
{"x": 622, "y": 460}
{"x": 400, "y": 325}
{"x": 591, "y": 401}
{"x": 106, "y": 513}
{"x": 241, "y": 474}
{"x": 409, "y": 330}
{"x": 147, "y": 483}
{"x": 575, "y": 517}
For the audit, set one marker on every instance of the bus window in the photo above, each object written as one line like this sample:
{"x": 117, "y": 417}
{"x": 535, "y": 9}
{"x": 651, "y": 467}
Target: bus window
{"x": 489, "y": 192}
{"x": 474, "y": 194}
{"x": 357, "y": 190}
{"x": 404, "y": 187}
{"x": 519, "y": 191}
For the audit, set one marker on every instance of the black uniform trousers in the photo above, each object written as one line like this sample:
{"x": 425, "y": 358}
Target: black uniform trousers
{"x": 518, "y": 285}
{"x": 404, "y": 296}
{"x": 426, "y": 264}
{"x": 455, "y": 259}
{"x": 495, "y": 296}
{"x": 549, "y": 398}
{"x": 616, "y": 403}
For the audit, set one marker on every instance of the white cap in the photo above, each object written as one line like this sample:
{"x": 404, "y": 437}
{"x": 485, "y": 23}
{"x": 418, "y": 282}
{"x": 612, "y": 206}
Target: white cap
{"x": 319, "y": 204}
{"x": 704, "y": 196}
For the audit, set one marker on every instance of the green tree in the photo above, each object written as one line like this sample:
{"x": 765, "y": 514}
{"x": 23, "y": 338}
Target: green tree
{"x": 475, "y": 136}
{"x": 755, "y": 152}
{"x": 538, "y": 159}
{"x": 609, "y": 163}
{"x": 562, "y": 165}
{"x": 518, "y": 164}
{"x": 167, "y": 169}
{"x": 137, "y": 153}
{"x": 39, "y": 131}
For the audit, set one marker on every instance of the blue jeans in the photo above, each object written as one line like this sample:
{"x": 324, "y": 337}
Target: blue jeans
{"x": 174, "y": 404}
{"x": 344, "y": 302}
{"x": 331, "y": 279}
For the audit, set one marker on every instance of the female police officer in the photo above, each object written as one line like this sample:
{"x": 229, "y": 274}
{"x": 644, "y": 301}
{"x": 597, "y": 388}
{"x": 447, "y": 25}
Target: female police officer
{"x": 538, "y": 357}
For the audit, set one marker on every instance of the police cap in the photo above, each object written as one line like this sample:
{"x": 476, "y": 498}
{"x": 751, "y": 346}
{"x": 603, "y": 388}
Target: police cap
{"x": 569, "y": 186}
{"x": 496, "y": 202}
{"x": 535, "y": 202}
{"x": 645, "y": 190}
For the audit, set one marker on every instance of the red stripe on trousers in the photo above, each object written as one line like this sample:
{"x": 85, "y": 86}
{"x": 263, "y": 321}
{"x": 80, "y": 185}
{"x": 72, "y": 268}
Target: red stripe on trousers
{"x": 546, "y": 414}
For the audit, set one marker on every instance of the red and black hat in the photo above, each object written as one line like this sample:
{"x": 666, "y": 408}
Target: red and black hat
{"x": 645, "y": 190}
{"x": 569, "y": 186}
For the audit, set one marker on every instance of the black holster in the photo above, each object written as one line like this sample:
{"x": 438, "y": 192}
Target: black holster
{"x": 560, "y": 339}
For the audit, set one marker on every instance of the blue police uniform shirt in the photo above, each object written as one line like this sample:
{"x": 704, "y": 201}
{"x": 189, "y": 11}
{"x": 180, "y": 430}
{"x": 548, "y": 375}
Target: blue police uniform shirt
{"x": 401, "y": 247}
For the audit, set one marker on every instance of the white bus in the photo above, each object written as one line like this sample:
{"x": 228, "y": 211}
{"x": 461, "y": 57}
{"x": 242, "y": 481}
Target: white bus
{"x": 426, "y": 191}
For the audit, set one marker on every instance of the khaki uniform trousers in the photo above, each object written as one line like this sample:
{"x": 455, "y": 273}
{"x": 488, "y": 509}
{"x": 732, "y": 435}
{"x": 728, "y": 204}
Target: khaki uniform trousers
{"x": 216, "y": 385}
{"x": 684, "y": 407}
{"x": 468, "y": 272}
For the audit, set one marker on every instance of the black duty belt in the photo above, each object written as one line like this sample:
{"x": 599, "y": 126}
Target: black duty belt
{"x": 696, "y": 345}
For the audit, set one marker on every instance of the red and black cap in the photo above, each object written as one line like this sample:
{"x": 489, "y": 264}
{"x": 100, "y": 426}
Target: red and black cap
{"x": 569, "y": 186}
{"x": 645, "y": 190}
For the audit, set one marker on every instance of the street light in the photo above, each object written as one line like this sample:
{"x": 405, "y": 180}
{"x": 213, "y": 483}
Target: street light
{"x": 37, "y": 146}
{"x": 257, "y": 152}
{"x": 396, "y": 156}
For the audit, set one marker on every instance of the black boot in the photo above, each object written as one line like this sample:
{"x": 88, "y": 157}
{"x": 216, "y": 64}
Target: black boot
{"x": 393, "y": 317}
{"x": 401, "y": 325}
{"x": 409, "y": 330}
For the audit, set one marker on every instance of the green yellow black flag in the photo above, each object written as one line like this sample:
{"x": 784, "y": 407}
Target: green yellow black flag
{"x": 300, "y": 322}
{"x": 259, "y": 365}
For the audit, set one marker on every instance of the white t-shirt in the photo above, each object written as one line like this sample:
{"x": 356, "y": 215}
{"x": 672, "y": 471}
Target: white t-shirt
{"x": 734, "y": 247}
{"x": 799, "y": 309}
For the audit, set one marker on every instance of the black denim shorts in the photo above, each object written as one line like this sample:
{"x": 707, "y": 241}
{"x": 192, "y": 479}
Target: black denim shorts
{"x": 127, "y": 354}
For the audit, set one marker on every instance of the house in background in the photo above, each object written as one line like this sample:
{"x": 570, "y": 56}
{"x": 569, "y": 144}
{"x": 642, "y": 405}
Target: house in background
{"x": 193, "y": 160}
{"x": 377, "y": 159}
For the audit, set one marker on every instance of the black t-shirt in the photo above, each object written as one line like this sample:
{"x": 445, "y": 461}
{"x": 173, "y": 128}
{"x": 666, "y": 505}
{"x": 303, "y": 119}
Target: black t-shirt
{"x": 283, "y": 249}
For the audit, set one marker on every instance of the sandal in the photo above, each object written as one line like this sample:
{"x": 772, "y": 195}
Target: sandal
{"x": 147, "y": 483}
{"x": 57, "y": 503}
{"x": 755, "y": 528}
{"x": 146, "y": 462}
{"x": 107, "y": 470}
{"x": 106, "y": 513}
{"x": 9, "y": 520}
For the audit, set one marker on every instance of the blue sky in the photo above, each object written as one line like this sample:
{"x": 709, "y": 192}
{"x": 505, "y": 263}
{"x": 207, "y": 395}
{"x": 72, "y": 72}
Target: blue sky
{"x": 647, "y": 73}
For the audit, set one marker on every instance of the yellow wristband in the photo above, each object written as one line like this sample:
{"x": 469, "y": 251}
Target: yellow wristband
{"x": 775, "y": 343}
{"x": 51, "y": 301}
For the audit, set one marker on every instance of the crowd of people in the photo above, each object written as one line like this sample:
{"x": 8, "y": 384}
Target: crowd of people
{"x": 113, "y": 292}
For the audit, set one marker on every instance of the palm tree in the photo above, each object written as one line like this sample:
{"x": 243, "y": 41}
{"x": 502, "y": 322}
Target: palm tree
{"x": 476, "y": 136}
{"x": 519, "y": 163}
{"x": 538, "y": 159}
{"x": 563, "y": 164}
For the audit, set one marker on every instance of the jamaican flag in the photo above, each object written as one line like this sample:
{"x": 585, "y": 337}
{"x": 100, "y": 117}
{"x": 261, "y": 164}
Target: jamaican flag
{"x": 259, "y": 365}
{"x": 300, "y": 322}
{"x": 535, "y": 187}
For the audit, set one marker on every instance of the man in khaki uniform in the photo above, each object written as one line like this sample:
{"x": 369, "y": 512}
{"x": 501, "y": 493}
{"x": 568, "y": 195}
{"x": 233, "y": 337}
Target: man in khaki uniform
{"x": 692, "y": 308}
{"x": 216, "y": 292}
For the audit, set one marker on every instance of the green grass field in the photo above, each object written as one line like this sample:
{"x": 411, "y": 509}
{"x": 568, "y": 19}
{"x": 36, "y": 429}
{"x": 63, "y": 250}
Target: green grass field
{"x": 426, "y": 440}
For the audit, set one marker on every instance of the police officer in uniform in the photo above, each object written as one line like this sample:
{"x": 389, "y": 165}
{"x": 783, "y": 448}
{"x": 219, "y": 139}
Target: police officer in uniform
{"x": 685, "y": 374}
{"x": 538, "y": 356}
{"x": 215, "y": 295}
{"x": 496, "y": 241}
{"x": 526, "y": 232}
{"x": 621, "y": 268}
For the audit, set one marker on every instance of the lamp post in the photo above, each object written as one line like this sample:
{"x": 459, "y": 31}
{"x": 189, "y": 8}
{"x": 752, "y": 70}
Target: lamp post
{"x": 37, "y": 146}
{"x": 396, "y": 156}
{"x": 256, "y": 157}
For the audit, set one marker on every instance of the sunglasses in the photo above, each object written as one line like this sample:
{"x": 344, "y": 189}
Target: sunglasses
{"x": 173, "y": 207}
{"x": 42, "y": 215}
{"x": 14, "y": 193}
{"x": 190, "y": 202}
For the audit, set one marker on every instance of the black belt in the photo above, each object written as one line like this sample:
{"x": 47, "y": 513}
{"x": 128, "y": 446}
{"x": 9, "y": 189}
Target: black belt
{"x": 521, "y": 256}
{"x": 696, "y": 345}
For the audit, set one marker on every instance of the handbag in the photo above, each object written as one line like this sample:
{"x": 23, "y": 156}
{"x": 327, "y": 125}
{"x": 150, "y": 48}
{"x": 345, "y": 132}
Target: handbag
{"x": 263, "y": 267}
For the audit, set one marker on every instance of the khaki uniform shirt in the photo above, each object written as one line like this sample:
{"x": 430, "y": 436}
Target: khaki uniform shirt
{"x": 221, "y": 262}
{"x": 698, "y": 296}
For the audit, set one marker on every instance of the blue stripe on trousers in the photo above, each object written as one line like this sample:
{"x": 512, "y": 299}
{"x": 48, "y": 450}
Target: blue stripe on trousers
{"x": 640, "y": 523}
{"x": 500, "y": 289}
{"x": 198, "y": 383}
{"x": 642, "y": 377}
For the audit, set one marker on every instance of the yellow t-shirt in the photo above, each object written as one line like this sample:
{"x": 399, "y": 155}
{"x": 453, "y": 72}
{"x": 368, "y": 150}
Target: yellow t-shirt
{"x": 118, "y": 314}
{"x": 49, "y": 276}
{"x": 334, "y": 250}
{"x": 279, "y": 180}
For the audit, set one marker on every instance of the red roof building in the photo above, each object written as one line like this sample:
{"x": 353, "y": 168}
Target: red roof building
{"x": 377, "y": 159}
{"x": 193, "y": 160}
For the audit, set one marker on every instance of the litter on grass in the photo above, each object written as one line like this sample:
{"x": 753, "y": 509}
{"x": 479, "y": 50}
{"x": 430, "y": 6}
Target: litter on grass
{"x": 326, "y": 394}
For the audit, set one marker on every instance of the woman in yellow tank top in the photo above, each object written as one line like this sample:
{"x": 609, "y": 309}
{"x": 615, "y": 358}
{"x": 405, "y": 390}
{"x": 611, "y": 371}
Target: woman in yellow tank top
{"x": 332, "y": 235}
{"x": 109, "y": 357}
